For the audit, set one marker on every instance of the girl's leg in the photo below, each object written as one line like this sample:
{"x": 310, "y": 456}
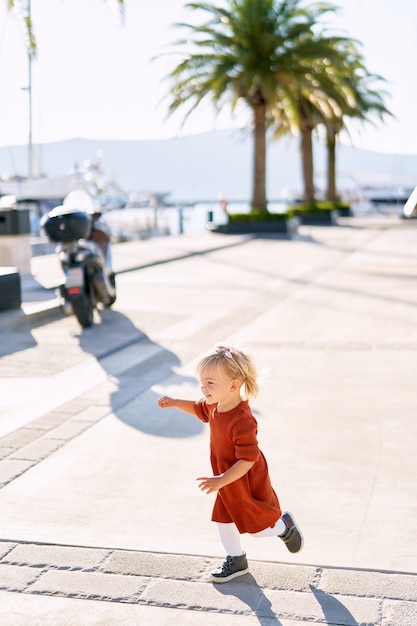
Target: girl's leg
{"x": 235, "y": 563}
{"x": 278, "y": 529}
{"x": 230, "y": 538}
{"x": 287, "y": 530}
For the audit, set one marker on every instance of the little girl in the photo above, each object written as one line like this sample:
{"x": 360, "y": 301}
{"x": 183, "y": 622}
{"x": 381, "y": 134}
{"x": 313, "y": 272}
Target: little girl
{"x": 245, "y": 500}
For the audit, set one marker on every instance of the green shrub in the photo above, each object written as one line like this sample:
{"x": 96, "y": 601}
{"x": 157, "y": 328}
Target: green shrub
{"x": 260, "y": 217}
{"x": 318, "y": 206}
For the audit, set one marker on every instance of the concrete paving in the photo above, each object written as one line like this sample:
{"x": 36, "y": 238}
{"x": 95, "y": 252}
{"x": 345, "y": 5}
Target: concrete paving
{"x": 332, "y": 313}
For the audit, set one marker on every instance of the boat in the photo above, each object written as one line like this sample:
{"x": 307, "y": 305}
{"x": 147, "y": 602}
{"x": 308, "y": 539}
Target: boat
{"x": 43, "y": 188}
{"x": 394, "y": 194}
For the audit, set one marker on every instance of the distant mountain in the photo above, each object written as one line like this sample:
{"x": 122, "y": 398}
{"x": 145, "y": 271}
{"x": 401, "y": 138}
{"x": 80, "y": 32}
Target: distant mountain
{"x": 199, "y": 167}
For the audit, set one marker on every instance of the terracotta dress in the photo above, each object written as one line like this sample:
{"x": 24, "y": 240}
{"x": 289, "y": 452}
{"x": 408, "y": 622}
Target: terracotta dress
{"x": 250, "y": 502}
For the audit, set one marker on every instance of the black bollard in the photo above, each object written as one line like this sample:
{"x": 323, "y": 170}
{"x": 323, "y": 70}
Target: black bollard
{"x": 180, "y": 221}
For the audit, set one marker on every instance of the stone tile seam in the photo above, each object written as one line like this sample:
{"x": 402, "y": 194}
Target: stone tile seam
{"x": 138, "y": 598}
{"x": 45, "y": 434}
{"x": 40, "y": 458}
{"x": 13, "y": 545}
{"x": 15, "y": 456}
{"x": 200, "y": 578}
{"x": 44, "y": 431}
{"x": 381, "y": 610}
{"x": 317, "y": 577}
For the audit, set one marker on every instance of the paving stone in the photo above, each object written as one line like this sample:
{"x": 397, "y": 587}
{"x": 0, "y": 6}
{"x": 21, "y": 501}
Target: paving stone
{"x": 156, "y": 565}
{"x": 41, "y": 610}
{"x": 50, "y": 420}
{"x": 74, "y": 406}
{"x": 92, "y": 413}
{"x": 11, "y": 469}
{"x": 5, "y": 547}
{"x": 5, "y": 452}
{"x": 247, "y": 599}
{"x": 372, "y": 584}
{"x": 91, "y": 585}
{"x": 20, "y": 437}
{"x": 399, "y": 613}
{"x": 37, "y": 450}
{"x": 68, "y": 430}
{"x": 322, "y": 607}
{"x": 283, "y": 576}
{"x": 15, "y": 578}
{"x": 199, "y": 596}
{"x": 55, "y": 556}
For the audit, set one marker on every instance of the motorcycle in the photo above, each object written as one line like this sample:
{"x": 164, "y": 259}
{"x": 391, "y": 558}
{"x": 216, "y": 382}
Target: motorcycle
{"x": 84, "y": 251}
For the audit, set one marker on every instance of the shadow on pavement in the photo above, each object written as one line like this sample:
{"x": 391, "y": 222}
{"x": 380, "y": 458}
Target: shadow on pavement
{"x": 248, "y": 592}
{"x": 333, "y": 610}
{"x": 16, "y": 339}
{"x": 138, "y": 364}
{"x": 16, "y": 333}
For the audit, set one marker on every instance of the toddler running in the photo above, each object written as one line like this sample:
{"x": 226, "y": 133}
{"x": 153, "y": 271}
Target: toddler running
{"x": 245, "y": 500}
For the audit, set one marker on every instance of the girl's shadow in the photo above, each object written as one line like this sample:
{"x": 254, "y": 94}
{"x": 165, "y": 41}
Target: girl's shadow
{"x": 134, "y": 364}
{"x": 333, "y": 610}
{"x": 247, "y": 590}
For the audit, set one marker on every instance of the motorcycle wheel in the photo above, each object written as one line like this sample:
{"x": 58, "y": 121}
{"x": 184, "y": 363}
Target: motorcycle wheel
{"x": 112, "y": 299}
{"x": 83, "y": 311}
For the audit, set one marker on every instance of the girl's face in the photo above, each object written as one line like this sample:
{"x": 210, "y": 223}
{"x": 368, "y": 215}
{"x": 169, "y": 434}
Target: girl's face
{"x": 218, "y": 389}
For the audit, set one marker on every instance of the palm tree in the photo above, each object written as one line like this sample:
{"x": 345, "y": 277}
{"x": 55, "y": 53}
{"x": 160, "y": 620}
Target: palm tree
{"x": 346, "y": 85}
{"x": 336, "y": 85}
{"x": 248, "y": 50}
{"x": 360, "y": 101}
{"x": 320, "y": 99}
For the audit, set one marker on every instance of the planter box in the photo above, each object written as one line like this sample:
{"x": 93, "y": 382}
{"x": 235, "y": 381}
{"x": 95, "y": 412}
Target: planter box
{"x": 345, "y": 212}
{"x": 10, "y": 294}
{"x": 318, "y": 218}
{"x": 14, "y": 221}
{"x": 267, "y": 227}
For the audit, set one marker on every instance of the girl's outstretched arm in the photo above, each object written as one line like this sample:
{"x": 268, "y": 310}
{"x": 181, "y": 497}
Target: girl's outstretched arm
{"x": 183, "y": 405}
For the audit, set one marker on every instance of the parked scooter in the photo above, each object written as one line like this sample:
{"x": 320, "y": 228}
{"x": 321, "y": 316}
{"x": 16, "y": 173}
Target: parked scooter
{"x": 84, "y": 250}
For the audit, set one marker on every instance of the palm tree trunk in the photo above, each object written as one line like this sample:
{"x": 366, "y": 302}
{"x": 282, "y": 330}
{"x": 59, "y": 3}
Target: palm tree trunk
{"x": 307, "y": 161}
{"x": 331, "y": 164}
{"x": 259, "y": 201}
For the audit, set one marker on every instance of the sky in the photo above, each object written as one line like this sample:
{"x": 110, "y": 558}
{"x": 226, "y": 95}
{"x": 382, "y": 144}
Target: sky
{"x": 95, "y": 79}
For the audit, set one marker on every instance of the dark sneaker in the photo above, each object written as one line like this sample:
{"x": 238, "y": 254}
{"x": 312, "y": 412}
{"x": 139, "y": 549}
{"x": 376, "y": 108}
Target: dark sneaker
{"x": 292, "y": 537}
{"x": 232, "y": 567}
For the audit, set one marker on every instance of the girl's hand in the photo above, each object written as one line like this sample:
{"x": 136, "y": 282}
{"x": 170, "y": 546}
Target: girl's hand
{"x": 238, "y": 470}
{"x": 210, "y": 485}
{"x": 166, "y": 402}
{"x": 188, "y": 406}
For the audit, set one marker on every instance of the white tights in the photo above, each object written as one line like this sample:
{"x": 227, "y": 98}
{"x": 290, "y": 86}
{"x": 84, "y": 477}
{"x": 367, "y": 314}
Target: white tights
{"x": 230, "y": 536}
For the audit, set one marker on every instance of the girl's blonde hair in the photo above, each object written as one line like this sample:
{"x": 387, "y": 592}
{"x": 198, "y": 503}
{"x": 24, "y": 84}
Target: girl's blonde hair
{"x": 234, "y": 364}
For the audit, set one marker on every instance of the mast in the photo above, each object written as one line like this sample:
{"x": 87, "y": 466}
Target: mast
{"x": 24, "y": 8}
{"x": 31, "y": 169}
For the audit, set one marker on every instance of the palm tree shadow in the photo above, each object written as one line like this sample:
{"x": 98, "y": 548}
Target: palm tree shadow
{"x": 134, "y": 363}
{"x": 333, "y": 610}
{"x": 247, "y": 590}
